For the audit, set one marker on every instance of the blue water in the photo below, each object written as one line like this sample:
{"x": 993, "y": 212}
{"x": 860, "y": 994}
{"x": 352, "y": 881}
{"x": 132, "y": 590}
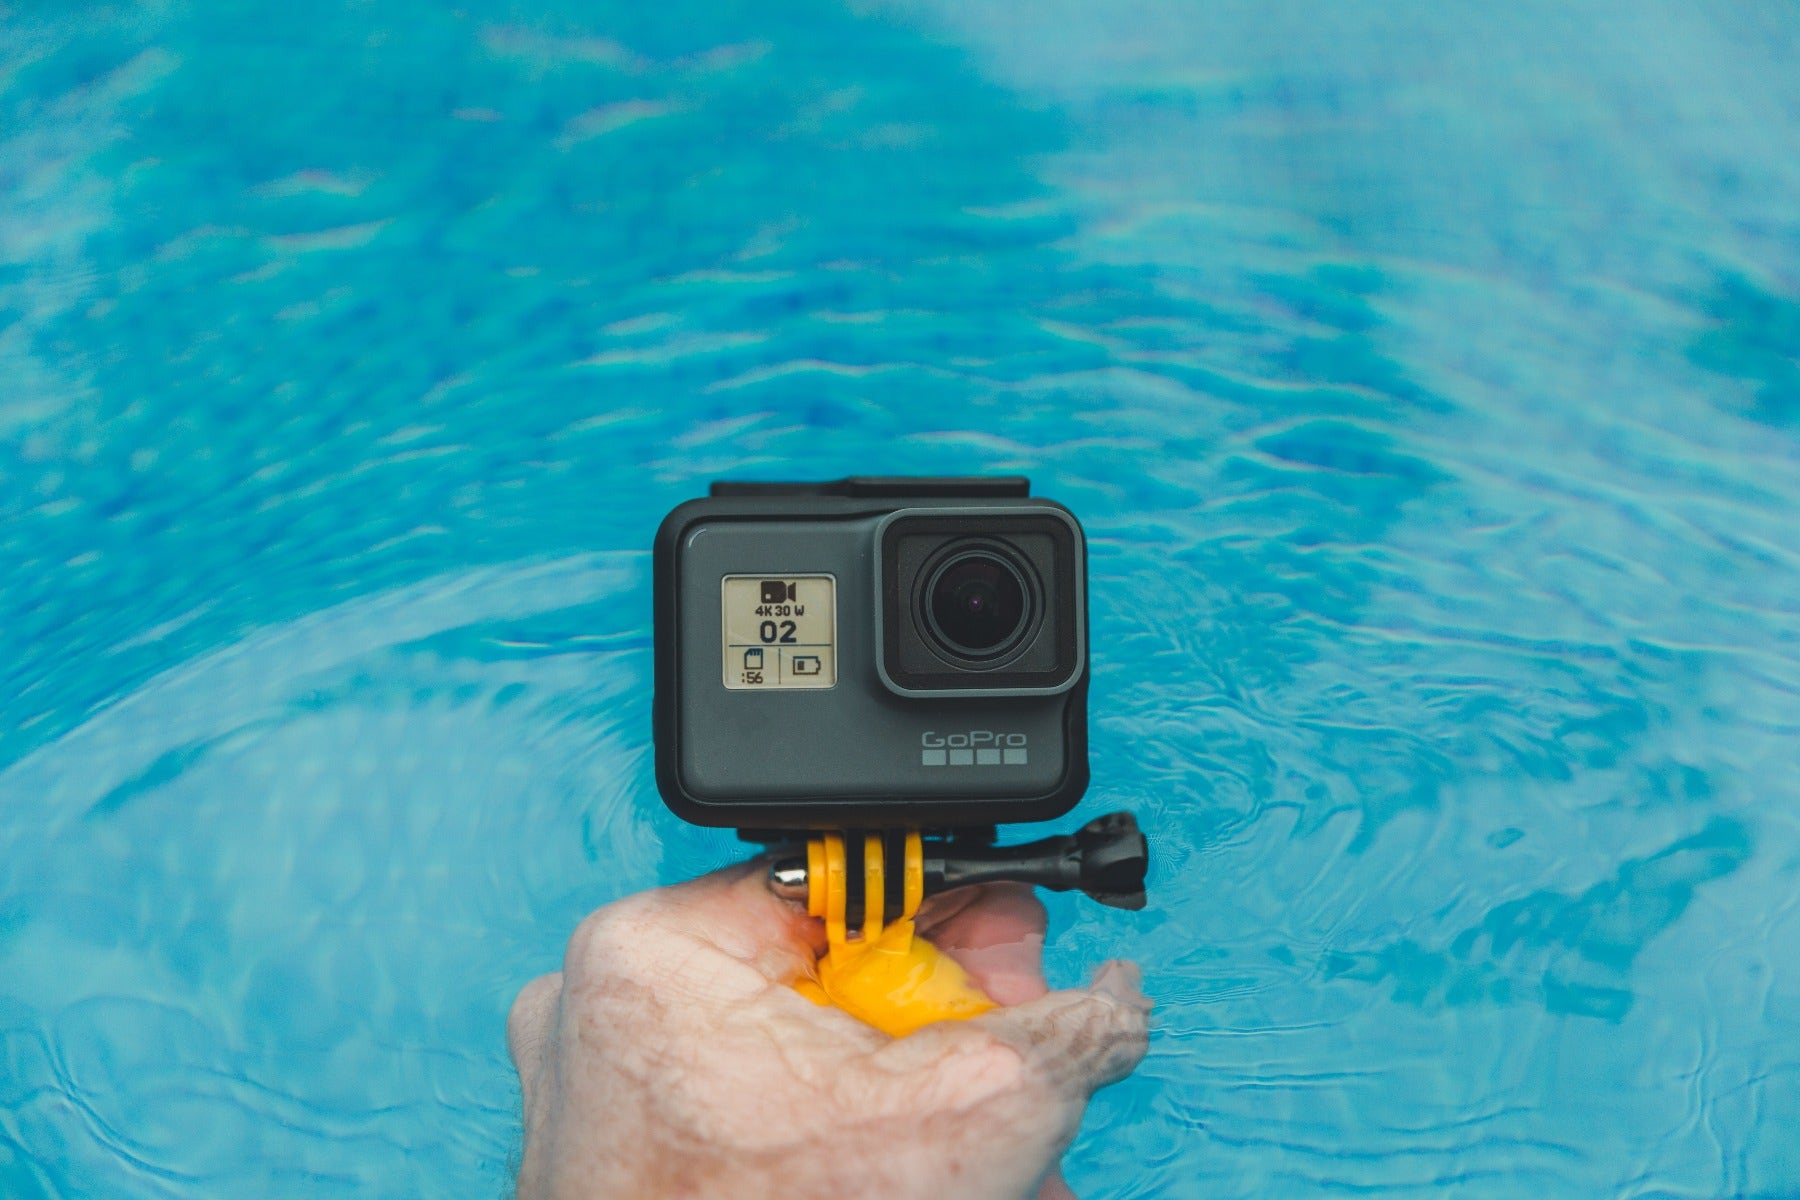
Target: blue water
{"x": 1427, "y": 376}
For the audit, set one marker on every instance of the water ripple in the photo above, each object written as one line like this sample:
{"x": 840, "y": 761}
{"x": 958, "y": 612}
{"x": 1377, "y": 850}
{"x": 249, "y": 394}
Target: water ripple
{"x": 1426, "y": 389}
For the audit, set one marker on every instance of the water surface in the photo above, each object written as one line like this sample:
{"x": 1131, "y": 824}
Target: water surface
{"x": 1428, "y": 379}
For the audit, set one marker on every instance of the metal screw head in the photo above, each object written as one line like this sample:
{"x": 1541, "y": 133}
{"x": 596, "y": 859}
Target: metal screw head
{"x": 787, "y": 878}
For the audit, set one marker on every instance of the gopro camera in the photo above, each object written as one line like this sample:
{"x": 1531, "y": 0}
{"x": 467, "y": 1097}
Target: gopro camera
{"x": 871, "y": 653}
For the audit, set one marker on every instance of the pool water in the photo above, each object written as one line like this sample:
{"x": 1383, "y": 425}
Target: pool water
{"x": 1427, "y": 377}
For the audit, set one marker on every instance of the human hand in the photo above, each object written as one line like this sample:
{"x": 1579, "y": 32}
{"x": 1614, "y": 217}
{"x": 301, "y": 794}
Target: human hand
{"x": 672, "y": 1057}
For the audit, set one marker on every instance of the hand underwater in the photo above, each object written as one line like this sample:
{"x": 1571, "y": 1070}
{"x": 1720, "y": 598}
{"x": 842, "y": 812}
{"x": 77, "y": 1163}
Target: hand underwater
{"x": 673, "y": 1057}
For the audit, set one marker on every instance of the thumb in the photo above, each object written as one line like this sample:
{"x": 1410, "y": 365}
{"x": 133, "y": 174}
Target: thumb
{"x": 1081, "y": 1040}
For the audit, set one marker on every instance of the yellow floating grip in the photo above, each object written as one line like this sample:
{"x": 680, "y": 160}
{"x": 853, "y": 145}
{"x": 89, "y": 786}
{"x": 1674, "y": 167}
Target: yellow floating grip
{"x": 890, "y": 978}
{"x": 899, "y": 983}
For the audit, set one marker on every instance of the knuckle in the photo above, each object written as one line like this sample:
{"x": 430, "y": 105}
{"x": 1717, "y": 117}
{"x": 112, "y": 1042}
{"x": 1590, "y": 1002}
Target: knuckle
{"x": 616, "y": 941}
{"x": 598, "y": 937}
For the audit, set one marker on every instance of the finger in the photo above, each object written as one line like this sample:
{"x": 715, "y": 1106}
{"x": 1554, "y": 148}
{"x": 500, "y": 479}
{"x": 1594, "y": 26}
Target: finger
{"x": 744, "y": 891}
{"x": 528, "y": 1026}
{"x": 996, "y": 933}
{"x": 942, "y": 908}
{"x": 983, "y": 915}
{"x": 1079, "y": 1041}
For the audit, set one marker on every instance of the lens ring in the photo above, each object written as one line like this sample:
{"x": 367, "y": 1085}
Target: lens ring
{"x": 977, "y": 603}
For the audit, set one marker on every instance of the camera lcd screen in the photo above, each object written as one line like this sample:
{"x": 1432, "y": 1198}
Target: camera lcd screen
{"x": 779, "y": 632}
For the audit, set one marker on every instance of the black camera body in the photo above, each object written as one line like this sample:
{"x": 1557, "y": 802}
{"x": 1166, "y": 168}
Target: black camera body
{"x": 871, "y": 654}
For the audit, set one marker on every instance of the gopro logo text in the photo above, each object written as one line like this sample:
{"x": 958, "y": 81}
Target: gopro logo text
{"x": 974, "y": 748}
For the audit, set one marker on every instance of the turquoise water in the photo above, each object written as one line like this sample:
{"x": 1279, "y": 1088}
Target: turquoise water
{"x": 1428, "y": 378}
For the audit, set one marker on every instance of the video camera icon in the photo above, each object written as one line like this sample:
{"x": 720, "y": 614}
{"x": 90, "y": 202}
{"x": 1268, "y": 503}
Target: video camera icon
{"x": 779, "y": 591}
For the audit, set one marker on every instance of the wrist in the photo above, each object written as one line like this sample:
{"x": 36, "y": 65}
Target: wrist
{"x": 875, "y": 1165}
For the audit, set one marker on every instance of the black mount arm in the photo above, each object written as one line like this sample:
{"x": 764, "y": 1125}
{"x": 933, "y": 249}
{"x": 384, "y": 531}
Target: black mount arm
{"x": 1106, "y": 859}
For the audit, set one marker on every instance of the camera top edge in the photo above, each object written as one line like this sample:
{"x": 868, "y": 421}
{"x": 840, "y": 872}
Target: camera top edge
{"x": 883, "y": 487}
{"x": 728, "y": 500}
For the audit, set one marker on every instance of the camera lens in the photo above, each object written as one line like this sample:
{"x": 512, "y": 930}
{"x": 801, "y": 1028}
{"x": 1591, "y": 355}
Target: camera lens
{"x": 977, "y": 604}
